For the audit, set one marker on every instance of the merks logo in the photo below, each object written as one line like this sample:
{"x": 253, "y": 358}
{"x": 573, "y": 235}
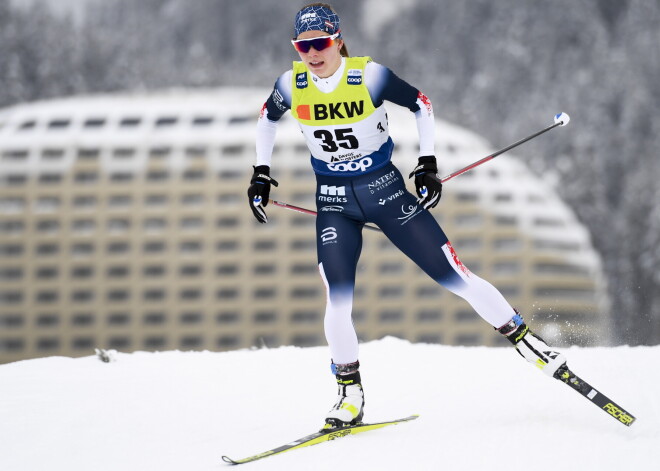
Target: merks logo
{"x": 321, "y": 111}
{"x": 332, "y": 194}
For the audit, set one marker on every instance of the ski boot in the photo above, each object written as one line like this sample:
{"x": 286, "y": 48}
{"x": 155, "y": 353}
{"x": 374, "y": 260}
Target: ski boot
{"x": 349, "y": 408}
{"x": 532, "y": 347}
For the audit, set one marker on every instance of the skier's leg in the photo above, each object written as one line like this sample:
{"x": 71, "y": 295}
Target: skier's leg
{"x": 424, "y": 242}
{"x": 339, "y": 243}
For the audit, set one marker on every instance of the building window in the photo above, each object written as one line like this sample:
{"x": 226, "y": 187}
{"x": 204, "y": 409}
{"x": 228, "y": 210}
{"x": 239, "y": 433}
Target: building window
{"x": 391, "y": 292}
{"x": 89, "y": 153}
{"x": 83, "y": 226}
{"x": 192, "y": 341}
{"x": 192, "y": 224}
{"x": 429, "y": 315}
{"x": 227, "y": 293}
{"x": 52, "y": 154}
{"x": 507, "y": 244}
{"x": 50, "y": 178}
{"x": 82, "y": 320}
{"x": 305, "y": 317}
{"x": 227, "y": 246}
{"x": 47, "y": 249}
{"x": 391, "y": 316}
{"x": 304, "y": 269}
{"x": 507, "y": 268}
{"x": 82, "y": 272}
{"x": 228, "y": 341}
{"x": 130, "y": 122}
{"x": 11, "y": 273}
{"x": 464, "y": 316}
{"x": 190, "y": 247}
{"x": 265, "y": 317}
{"x": 155, "y": 342}
{"x": 82, "y": 296}
{"x": 166, "y": 121}
{"x": 12, "y": 227}
{"x": 190, "y": 270}
{"x": 118, "y": 319}
{"x": 84, "y": 202}
{"x": 261, "y": 270}
{"x": 48, "y": 320}
{"x": 94, "y": 123}
{"x": 48, "y": 344}
{"x": 47, "y": 204}
{"x": 9, "y": 321}
{"x": 156, "y": 201}
{"x": 119, "y": 201}
{"x": 154, "y": 295}
{"x": 190, "y": 318}
{"x": 190, "y": 294}
{"x": 119, "y": 271}
{"x": 227, "y": 269}
{"x": 61, "y": 123}
{"x": 82, "y": 343}
{"x": 154, "y": 318}
{"x": 118, "y": 295}
{"x": 86, "y": 178}
{"x": 154, "y": 270}
{"x": 81, "y": 250}
{"x": 227, "y": 317}
{"x": 118, "y": 248}
{"x": 118, "y": 225}
{"x": 203, "y": 120}
{"x": 119, "y": 342}
{"x": 227, "y": 222}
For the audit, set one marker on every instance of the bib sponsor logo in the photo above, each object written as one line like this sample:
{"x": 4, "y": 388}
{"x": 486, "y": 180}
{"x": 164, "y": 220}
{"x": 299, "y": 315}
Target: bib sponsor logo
{"x": 301, "y": 80}
{"x": 342, "y": 110}
{"x": 408, "y": 213}
{"x": 333, "y": 194}
{"x": 382, "y": 182}
{"x": 383, "y": 201}
{"x": 335, "y": 209}
{"x": 353, "y": 166}
{"x": 329, "y": 235}
{"x": 354, "y": 77}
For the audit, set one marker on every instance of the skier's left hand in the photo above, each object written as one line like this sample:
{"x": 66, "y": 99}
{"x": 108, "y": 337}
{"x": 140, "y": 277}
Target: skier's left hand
{"x": 427, "y": 182}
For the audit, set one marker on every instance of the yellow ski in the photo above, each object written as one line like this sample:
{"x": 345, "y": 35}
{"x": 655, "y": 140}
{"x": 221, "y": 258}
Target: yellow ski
{"x": 318, "y": 437}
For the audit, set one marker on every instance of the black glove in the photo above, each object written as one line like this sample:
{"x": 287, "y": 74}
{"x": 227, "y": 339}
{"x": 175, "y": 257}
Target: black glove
{"x": 259, "y": 191}
{"x": 427, "y": 182}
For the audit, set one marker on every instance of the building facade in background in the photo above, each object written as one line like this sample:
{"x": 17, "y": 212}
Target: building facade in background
{"x": 123, "y": 224}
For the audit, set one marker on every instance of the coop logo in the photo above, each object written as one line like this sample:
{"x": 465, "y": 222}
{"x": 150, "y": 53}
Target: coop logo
{"x": 332, "y": 194}
{"x": 353, "y": 166}
{"x": 384, "y": 201}
{"x": 354, "y": 77}
{"x": 329, "y": 236}
{"x": 301, "y": 80}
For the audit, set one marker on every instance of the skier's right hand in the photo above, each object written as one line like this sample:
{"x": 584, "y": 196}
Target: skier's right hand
{"x": 259, "y": 191}
{"x": 427, "y": 182}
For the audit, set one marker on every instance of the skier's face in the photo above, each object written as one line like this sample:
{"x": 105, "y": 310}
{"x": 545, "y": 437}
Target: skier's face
{"x": 325, "y": 62}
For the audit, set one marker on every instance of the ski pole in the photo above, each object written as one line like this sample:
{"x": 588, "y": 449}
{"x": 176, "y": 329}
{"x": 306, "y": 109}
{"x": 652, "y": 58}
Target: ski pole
{"x": 561, "y": 119}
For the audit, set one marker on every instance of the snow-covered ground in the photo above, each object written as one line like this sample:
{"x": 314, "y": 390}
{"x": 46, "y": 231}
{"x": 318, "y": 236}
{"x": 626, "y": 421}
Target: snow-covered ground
{"x": 481, "y": 408}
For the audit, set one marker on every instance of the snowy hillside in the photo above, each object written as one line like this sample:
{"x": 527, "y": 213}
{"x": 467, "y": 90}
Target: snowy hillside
{"x": 481, "y": 408}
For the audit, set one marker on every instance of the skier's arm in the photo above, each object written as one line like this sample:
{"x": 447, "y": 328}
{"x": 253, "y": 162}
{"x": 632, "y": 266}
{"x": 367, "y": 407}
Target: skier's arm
{"x": 277, "y": 104}
{"x": 383, "y": 84}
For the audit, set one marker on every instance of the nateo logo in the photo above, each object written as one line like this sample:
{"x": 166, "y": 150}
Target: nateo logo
{"x": 323, "y": 111}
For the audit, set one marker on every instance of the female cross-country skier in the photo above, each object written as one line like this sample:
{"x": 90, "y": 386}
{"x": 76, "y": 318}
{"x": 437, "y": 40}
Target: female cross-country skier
{"x": 338, "y": 101}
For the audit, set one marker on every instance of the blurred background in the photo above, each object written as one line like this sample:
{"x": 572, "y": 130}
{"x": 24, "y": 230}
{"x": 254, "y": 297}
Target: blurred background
{"x": 126, "y": 145}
